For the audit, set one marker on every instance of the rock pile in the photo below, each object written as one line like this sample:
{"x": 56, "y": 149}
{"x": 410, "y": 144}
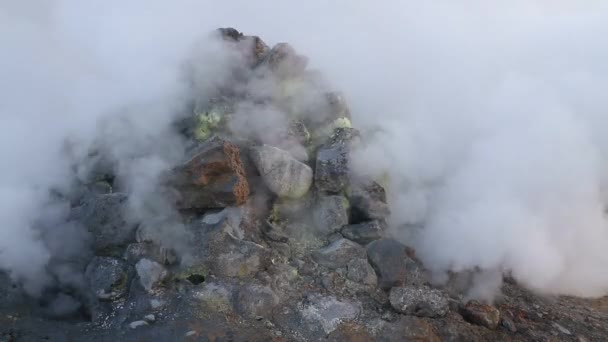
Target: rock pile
{"x": 282, "y": 241}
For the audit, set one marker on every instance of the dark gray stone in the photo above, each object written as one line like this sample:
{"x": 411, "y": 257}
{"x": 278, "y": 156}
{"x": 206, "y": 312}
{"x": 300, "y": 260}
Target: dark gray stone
{"x": 338, "y": 254}
{"x": 388, "y": 258}
{"x": 255, "y": 301}
{"x": 332, "y": 168}
{"x": 104, "y": 217}
{"x": 150, "y": 273}
{"x": 108, "y": 278}
{"x": 364, "y": 233}
{"x": 360, "y": 271}
{"x": 330, "y": 214}
{"x": 368, "y": 202}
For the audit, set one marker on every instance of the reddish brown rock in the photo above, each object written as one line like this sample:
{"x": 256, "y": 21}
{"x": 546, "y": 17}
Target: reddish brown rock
{"x": 481, "y": 314}
{"x": 213, "y": 178}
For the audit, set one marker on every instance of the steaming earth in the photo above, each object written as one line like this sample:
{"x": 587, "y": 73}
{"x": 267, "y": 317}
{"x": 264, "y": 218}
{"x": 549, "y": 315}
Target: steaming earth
{"x": 272, "y": 238}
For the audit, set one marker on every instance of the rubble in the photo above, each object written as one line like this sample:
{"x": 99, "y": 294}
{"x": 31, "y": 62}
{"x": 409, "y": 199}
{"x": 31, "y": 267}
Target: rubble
{"x": 481, "y": 314}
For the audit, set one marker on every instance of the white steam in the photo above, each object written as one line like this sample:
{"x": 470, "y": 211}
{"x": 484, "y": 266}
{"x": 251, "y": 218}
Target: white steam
{"x": 489, "y": 117}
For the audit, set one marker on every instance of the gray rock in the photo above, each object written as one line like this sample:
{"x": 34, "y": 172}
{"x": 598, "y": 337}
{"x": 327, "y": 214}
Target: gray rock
{"x": 416, "y": 274}
{"x": 481, "y": 314}
{"x": 255, "y": 301}
{"x": 338, "y": 254}
{"x": 149, "y": 250}
{"x": 360, "y": 271}
{"x": 419, "y": 301}
{"x": 150, "y": 273}
{"x": 282, "y": 173}
{"x": 216, "y": 297}
{"x": 364, "y": 233}
{"x": 104, "y": 217}
{"x": 388, "y": 258}
{"x": 330, "y": 214}
{"x": 239, "y": 259}
{"x": 406, "y": 328}
{"x": 368, "y": 201}
{"x": 137, "y": 324}
{"x": 331, "y": 168}
{"x": 328, "y": 312}
{"x": 108, "y": 278}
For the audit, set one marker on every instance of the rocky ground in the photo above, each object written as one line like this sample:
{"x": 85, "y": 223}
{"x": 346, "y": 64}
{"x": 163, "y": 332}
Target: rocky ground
{"x": 282, "y": 242}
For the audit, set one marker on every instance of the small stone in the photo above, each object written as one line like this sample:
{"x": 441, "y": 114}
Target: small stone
{"x": 338, "y": 254}
{"x": 481, "y": 314}
{"x": 149, "y": 318}
{"x": 150, "y": 273}
{"x": 190, "y": 333}
{"x": 561, "y": 329}
{"x": 363, "y": 233}
{"x": 282, "y": 173}
{"x": 149, "y": 250}
{"x": 388, "y": 258}
{"x": 419, "y": 301}
{"x": 330, "y": 214}
{"x": 508, "y": 324}
{"x": 137, "y": 324}
{"x": 360, "y": 271}
{"x": 256, "y": 301}
{"x": 406, "y": 328}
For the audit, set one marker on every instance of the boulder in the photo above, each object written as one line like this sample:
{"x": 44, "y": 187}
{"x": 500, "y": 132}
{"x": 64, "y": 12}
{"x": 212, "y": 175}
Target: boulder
{"x": 331, "y": 167}
{"x": 327, "y": 313}
{"x": 255, "y": 301}
{"x": 388, "y": 258}
{"x": 108, "y": 278}
{"x": 253, "y": 48}
{"x": 338, "y": 254}
{"x": 216, "y": 296}
{"x": 406, "y": 328}
{"x": 151, "y": 251}
{"x": 150, "y": 273}
{"x": 368, "y": 202}
{"x": 284, "y": 61}
{"x": 282, "y": 173}
{"x": 214, "y": 177}
{"x": 419, "y": 301}
{"x": 103, "y": 215}
{"x": 360, "y": 271}
{"x": 330, "y": 214}
{"x": 364, "y": 233}
{"x": 481, "y": 314}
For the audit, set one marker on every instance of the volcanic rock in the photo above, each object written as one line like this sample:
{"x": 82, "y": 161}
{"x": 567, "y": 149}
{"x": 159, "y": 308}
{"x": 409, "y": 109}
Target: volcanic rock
{"x": 283, "y": 174}
{"x": 150, "y": 273}
{"x": 108, "y": 278}
{"x": 104, "y": 217}
{"x": 338, "y": 254}
{"x": 419, "y": 301}
{"x": 388, "y": 258}
{"x": 364, "y": 233}
{"x": 330, "y": 214}
{"x": 213, "y": 178}
{"x": 481, "y": 314}
{"x": 331, "y": 168}
{"x": 368, "y": 202}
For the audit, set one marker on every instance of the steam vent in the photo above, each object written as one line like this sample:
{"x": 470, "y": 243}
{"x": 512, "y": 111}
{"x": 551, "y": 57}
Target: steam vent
{"x": 260, "y": 230}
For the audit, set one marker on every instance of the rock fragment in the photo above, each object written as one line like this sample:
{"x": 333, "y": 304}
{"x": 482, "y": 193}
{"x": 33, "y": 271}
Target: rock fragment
{"x": 363, "y": 233}
{"x": 328, "y": 312}
{"x": 419, "y": 301}
{"x": 338, "y": 254}
{"x": 283, "y": 174}
{"x": 104, "y": 217}
{"x": 332, "y": 168}
{"x": 255, "y": 301}
{"x": 388, "y": 258}
{"x": 330, "y": 214}
{"x": 214, "y": 177}
{"x": 481, "y": 314}
{"x": 108, "y": 278}
{"x": 368, "y": 201}
{"x": 360, "y": 271}
{"x": 150, "y": 273}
